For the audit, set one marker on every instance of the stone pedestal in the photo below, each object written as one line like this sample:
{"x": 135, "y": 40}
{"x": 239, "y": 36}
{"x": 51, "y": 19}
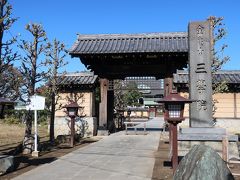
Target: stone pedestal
{"x": 204, "y": 134}
{"x": 218, "y": 131}
{"x": 185, "y": 146}
{"x": 188, "y": 137}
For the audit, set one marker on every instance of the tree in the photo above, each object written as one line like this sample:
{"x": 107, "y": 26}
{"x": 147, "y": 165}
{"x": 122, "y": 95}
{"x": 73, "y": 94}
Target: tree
{"x": 30, "y": 68}
{"x": 55, "y": 57}
{"x": 219, "y": 33}
{"x": 118, "y": 95}
{"x": 132, "y": 95}
{"x": 219, "y": 59}
{"x": 10, "y": 78}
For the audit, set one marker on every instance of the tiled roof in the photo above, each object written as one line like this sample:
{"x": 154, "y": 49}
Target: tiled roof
{"x": 77, "y": 79}
{"x": 231, "y": 77}
{"x": 129, "y": 43}
{"x": 5, "y": 101}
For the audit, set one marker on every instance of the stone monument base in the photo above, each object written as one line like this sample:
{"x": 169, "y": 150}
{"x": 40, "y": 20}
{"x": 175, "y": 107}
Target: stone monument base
{"x": 204, "y": 134}
{"x": 185, "y": 146}
{"x": 188, "y": 137}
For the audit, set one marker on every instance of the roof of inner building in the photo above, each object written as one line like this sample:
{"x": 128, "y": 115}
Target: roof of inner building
{"x": 229, "y": 76}
{"x": 5, "y": 101}
{"x": 130, "y": 43}
{"x": 77, "y": 79}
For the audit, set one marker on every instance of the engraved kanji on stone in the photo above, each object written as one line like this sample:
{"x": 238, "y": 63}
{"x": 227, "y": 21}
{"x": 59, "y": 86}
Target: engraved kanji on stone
{"x": 200, "y": 50}
{"x": 201, "y": 85}
{"x": 200, "y": 30}
{"x": 201, "y": 68}
{"x": 201, "y": 105}
{"x": 200, "y": 45}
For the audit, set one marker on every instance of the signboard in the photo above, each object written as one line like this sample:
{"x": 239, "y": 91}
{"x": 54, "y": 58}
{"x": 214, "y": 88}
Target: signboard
{"x": 36, "y": 103}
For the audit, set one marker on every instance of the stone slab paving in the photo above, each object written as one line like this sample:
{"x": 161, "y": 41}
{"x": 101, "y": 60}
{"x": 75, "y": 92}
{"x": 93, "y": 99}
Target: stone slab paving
{"x": 117, "y": 156}
{"x": 154, "y": 124}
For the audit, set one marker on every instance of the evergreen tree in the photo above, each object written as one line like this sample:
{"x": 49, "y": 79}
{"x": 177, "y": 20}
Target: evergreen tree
{"x": 132, "y": 95}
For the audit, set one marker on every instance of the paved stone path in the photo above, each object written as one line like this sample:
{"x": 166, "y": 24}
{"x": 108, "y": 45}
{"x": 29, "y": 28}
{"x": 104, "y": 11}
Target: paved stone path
{"x": 117, "y": 157}
{"x": 154, "y": 124}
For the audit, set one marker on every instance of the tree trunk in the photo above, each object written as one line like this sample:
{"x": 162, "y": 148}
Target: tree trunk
{"x": 52, "y": 119}
{"x": 2, "y": 3}
{"x": 28, "y": 140}
{"x": 28, "y": 129}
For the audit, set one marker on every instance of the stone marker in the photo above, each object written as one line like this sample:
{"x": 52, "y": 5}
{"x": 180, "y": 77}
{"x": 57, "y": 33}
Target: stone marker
{"x": 200, "y": 76}
{"x": 202, "y": 163}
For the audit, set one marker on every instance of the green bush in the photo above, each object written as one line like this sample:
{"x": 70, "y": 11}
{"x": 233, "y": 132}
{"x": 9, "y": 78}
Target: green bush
{"x": 18, "y": 116}
{"x": 11, "y": 120}
{"x": 43, "y": 117}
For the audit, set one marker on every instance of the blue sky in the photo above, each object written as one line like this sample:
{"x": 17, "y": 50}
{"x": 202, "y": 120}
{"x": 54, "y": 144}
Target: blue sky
{"x": 64, "y": 19}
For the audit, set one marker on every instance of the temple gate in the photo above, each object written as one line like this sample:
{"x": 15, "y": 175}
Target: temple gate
{"x": 116, "y": 56}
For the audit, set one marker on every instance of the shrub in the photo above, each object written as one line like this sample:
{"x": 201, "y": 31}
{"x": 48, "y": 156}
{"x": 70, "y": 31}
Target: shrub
{"x": 11, "y": 120}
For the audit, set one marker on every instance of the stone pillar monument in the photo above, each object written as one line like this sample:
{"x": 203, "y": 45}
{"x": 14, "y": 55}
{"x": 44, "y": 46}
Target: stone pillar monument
{"x": 200, "y": 73}
{"x": 200, "y": 87}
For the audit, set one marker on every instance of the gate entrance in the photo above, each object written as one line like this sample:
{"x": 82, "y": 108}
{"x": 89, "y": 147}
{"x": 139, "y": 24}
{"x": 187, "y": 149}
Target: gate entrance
{"x": 159, "y": 55}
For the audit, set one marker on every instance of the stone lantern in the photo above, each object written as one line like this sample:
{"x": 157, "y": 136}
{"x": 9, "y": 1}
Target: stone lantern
{"x": 174, "y": 108}
{"x": 72, "y": 111}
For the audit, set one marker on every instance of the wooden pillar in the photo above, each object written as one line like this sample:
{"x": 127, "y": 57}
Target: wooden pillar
{"x": 225, "y": 148}
{"x": 174, "y": 147}
{"x": 103, "y": 104}
{"x": 110, "y": 111}
{"x": 72, "y": 140}
{"x": 235, "y": 104}
{"x": 92, "y": 104}
{"x": 168, "y": 86}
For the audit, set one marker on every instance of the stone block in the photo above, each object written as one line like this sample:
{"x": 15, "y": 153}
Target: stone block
{"x": 6, "y": 164}
{"x": 203, "y": 131}
{"x": 204, "y": 134}
{"x": 86, "y": 126}
{"x": 185, "y": 146}
{"x": 202, "y": 163}
{"x": 205, "y": 137}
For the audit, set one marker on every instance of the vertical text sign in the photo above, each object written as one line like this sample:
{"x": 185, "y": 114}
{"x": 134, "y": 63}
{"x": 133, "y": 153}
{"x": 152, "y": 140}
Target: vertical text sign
{"x": 200, "y": 74}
